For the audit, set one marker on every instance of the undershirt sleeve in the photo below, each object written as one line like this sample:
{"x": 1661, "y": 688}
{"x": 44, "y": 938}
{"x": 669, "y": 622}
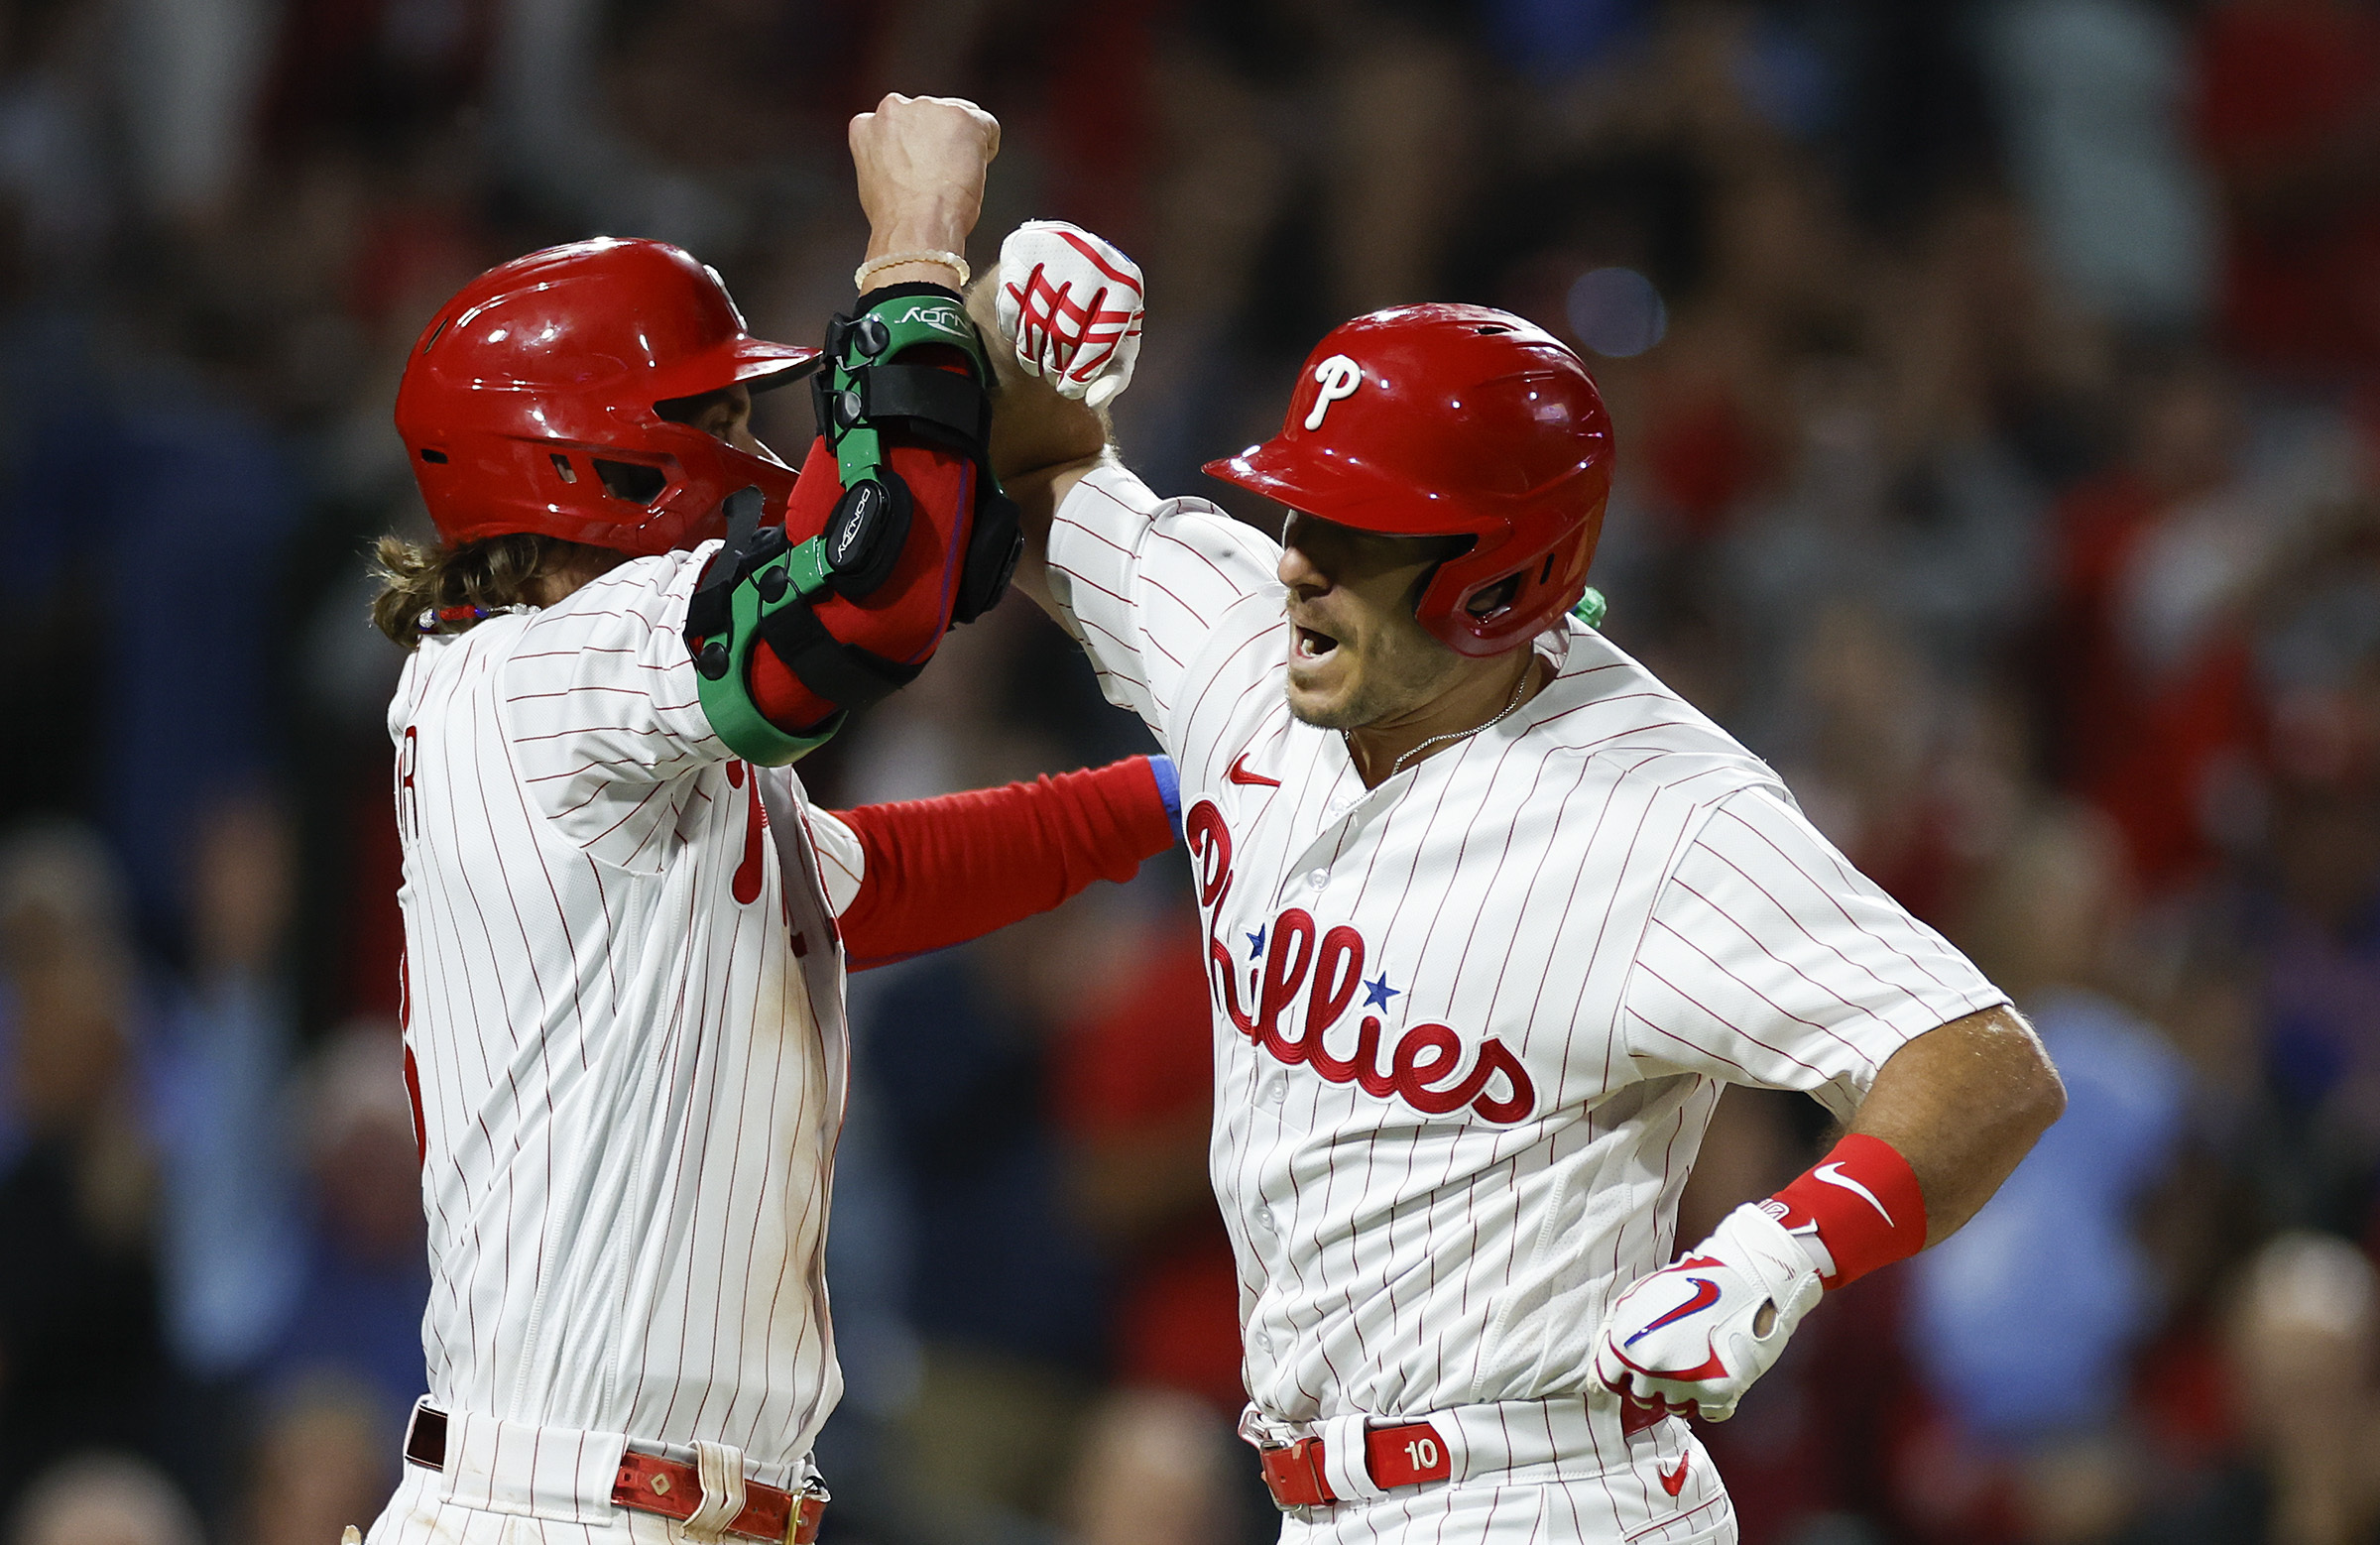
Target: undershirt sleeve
{"x": 934, "y": 873}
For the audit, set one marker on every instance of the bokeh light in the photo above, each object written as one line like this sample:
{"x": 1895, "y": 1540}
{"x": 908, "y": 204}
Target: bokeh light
{"x": 1616, "y": 313}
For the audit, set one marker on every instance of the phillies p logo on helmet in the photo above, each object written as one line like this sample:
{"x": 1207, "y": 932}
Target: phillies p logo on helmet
{"x": 1475, "y": 423}
{"x": 1338, "y": 376}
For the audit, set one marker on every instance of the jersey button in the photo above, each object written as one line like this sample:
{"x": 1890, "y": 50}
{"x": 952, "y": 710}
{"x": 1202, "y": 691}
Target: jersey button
{"x": 1264, "y": 1218}
{"x": 1277, "y": 1090}
{"x": 1263, "y": 1342}
{"x": 1317, "y": 879}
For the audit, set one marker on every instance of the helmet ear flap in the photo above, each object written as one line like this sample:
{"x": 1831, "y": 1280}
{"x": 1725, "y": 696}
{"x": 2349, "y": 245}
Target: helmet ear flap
{"x": 636, "y": 482}
{"x": 1485, "y": 601}
{"x": 1426, "y": 599}
{"x": 1486, "y": 616}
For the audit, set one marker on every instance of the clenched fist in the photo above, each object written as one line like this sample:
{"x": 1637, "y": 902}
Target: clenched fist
{"x": 1070, "y": 306}
{"x": 921, "y": 162}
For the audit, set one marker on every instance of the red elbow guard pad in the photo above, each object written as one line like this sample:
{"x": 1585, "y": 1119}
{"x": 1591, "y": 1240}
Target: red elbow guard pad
{"x": 1864, "y": 1200}
{"x": 903, "y": 619}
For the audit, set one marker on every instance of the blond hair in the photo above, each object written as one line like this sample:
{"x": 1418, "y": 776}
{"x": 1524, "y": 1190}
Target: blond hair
{"x": 438, "y": 589}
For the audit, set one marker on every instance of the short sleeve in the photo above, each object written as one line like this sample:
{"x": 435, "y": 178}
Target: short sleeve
{"x": 1769, "y": 960}
{"x": 1142, "y": 582}
{"x": 599, "y": 700}
{"x": 842, "y": 861}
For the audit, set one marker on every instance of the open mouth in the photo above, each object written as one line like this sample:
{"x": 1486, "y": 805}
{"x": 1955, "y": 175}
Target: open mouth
{"x": 1313, "y": 644}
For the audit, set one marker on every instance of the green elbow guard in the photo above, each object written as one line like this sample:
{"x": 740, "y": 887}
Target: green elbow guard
{"x": 761, "y": 587}
{"x": 864, "y": 387}
{"x": 759, "y": 591}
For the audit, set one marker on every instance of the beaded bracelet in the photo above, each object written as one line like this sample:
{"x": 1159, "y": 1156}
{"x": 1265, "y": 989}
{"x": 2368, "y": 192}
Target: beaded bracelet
{"x": 875, "y": 266}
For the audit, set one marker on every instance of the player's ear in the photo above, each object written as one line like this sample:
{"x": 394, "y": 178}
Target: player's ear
{"x": 1494, "y": 598}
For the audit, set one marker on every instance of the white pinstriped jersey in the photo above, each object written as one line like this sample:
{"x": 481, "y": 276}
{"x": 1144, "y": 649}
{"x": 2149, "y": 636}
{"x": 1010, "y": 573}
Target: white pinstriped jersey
{"x": 624, "y": 1020}
{"x": 1471, "y": 1024}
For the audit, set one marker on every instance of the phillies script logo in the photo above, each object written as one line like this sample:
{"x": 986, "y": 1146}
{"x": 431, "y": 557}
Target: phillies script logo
{"x": 1326, "y": 968}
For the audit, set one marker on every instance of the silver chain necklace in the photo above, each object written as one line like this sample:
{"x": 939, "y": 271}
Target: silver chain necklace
{"x": 1501, "y": 714}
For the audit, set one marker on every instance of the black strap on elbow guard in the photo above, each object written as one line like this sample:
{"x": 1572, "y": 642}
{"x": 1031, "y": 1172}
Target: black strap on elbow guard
{"x": 865, "y": 390}
{"x": 758, "y": 590}
{"x": 761, "y": 586}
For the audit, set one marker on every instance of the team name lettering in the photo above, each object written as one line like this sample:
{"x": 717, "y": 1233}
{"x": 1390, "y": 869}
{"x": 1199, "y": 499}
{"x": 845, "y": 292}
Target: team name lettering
{"x": 408, "y": 797}
{"x": 1319, "y": 971}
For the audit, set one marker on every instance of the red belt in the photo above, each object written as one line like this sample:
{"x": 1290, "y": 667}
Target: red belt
{"x": 649, "y": 1483}
{"x": 1394, "y": 1456}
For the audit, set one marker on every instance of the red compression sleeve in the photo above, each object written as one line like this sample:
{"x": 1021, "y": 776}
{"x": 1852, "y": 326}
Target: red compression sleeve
{"x": 905, "y": 618}
{"x": 941, "y": 872}
{"x": 1865, "y": 1201}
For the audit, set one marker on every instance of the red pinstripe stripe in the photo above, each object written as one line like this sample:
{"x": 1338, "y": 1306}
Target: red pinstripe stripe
{"x": 473, "y": 952}
{"x": 1399, "y": 1235}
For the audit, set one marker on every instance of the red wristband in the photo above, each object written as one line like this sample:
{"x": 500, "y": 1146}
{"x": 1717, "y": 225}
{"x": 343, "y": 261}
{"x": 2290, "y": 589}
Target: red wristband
{"x": 1864, "y": 1200}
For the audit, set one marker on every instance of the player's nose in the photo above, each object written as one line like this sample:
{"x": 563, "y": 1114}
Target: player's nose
{"x": 1298, "y": 570}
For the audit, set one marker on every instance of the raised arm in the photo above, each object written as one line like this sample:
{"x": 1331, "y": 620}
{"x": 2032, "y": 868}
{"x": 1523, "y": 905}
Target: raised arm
{"x": 1062, "y": 314}
{"x": 920, "y": 163}
{"x": 1143, "y": 583}
{"x": 889, "y": 535}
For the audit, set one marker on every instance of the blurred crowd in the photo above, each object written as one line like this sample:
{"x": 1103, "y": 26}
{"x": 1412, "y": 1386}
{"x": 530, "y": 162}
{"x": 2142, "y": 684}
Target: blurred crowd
{"x": 1997, "y": 389}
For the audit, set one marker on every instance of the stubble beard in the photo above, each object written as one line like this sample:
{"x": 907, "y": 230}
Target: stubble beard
{"x": 1398, "y": 680}
{"x": 1360, "y": 709}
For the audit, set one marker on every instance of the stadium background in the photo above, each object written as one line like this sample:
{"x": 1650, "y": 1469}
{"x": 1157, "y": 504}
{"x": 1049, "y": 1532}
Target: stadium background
{"x": 1997, "y": 386}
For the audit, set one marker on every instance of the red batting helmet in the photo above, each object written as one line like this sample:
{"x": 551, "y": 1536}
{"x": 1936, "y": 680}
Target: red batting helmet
{"x": 1450, "y": 420}
{"x": 527, "y": 404}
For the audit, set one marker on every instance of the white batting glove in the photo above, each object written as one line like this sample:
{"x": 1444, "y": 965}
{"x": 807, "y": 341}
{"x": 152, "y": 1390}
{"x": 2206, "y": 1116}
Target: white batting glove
{"x": 1692, "y": 1337}
{"x": 1070, "y": 306}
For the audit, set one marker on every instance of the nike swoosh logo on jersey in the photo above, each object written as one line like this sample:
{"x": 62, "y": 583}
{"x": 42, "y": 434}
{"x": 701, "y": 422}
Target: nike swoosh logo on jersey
{"x": 1674, "y": 1480}
{"x": 1239, "y": 773}
{"x": 1838, "y": 1178}
{"x": 1705, "y": 1293}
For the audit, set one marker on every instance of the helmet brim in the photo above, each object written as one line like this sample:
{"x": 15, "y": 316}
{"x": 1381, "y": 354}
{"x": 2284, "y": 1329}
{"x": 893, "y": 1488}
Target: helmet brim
{"x": 1320, "y": 481}
{"x": 760, "y": 364}
{"x": 749, "y": 362}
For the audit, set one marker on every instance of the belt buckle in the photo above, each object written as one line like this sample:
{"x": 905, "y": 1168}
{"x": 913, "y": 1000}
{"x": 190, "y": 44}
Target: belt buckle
{"x": 1293, "y": 1474}
{"x": 425, "y": 1436}
{"x": 809, "y": 1506}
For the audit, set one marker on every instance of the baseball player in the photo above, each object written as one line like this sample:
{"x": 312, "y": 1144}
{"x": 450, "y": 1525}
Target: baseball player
{"x": 625, "y": 925}
{"x": 1490, "y": 915}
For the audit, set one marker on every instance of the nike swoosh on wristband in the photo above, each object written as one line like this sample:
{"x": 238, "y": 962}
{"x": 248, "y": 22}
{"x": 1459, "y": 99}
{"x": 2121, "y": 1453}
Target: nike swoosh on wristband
{"x": 1239, "y": 773}
{"x": 1839, "y": 1178}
